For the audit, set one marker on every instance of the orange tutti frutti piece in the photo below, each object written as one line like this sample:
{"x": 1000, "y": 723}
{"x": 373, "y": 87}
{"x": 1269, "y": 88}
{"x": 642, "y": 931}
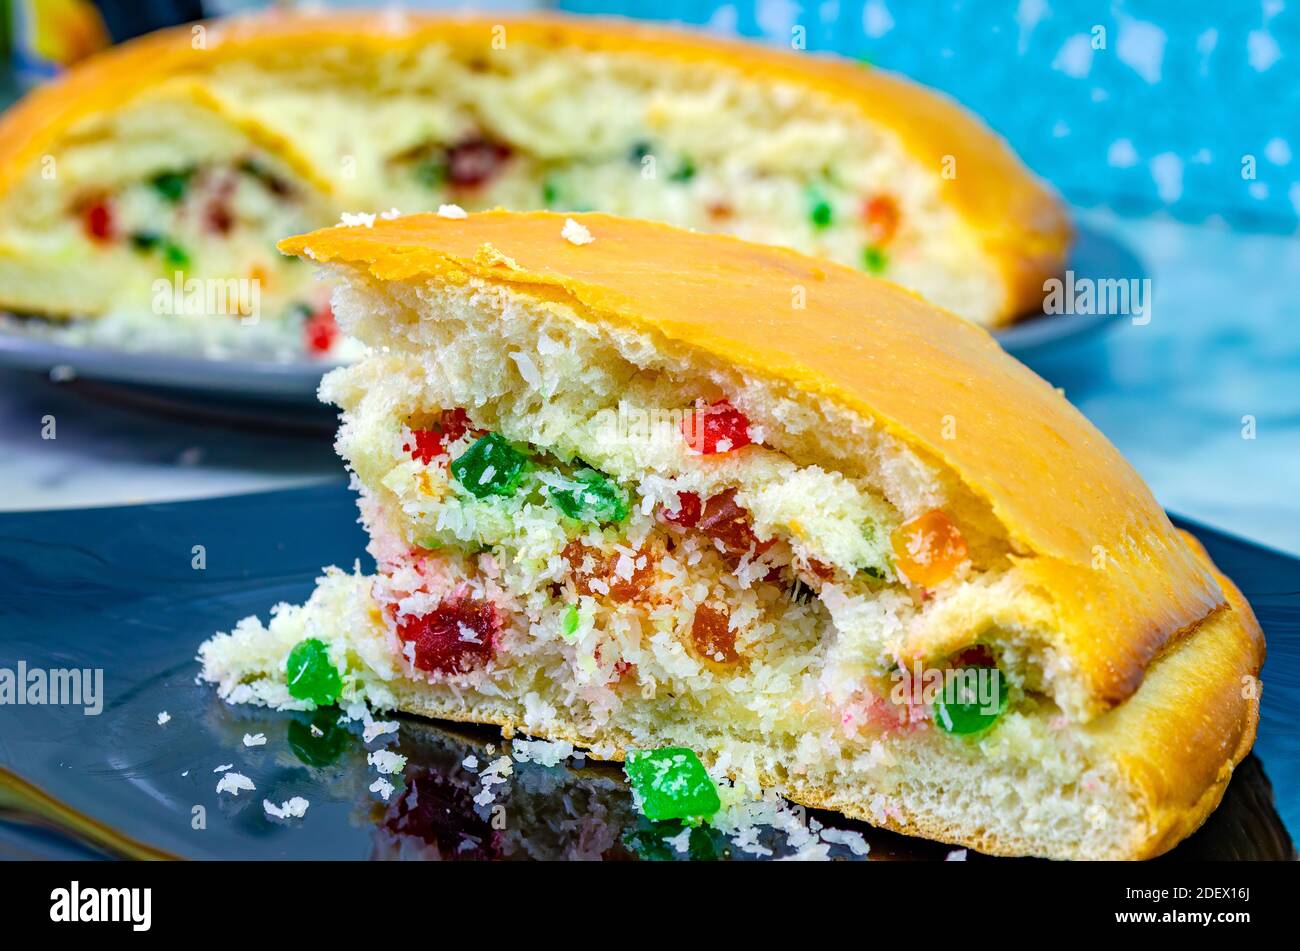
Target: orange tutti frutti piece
{"x": 928, "y": 548}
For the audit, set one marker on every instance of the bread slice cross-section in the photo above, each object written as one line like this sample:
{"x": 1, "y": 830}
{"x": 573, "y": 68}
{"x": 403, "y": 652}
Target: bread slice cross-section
{"x": 192, "y": 151}
{"x": 636, "y": 487}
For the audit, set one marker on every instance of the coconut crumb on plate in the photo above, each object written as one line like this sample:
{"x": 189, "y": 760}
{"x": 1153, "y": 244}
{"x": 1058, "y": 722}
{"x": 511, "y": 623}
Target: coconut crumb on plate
{"x": 294, "y": 808}
{"x": 254, "y": 739}
{"x": 164, "y": 717}
{"x": 233, "y": 783}
{"x": 386, "y": 761}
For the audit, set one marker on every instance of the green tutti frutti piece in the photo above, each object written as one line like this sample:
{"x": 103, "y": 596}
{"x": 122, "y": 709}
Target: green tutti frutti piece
{"x": 671, "y": 783}
{"x": 683, "y": 172}
{"x": 145, "y": 240}
{"x": 431, "y": 173}
{"x": 589, "y": 496}
{"x": 874, "y": 260}
{"x": 310, "y": 675}
{"x": 966, "y": 703}
{"x": 175, "y": 255}
{"x": 172, "y": 186}
{"x": 570, "y": 621}
{"x": 820, "y": 212}
{"x": 491, "y": 466}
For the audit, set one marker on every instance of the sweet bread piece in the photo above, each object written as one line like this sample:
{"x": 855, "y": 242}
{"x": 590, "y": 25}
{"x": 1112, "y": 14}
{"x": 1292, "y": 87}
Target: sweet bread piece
{"x": 634, "y": 487}
{"x": 192, "y": 151}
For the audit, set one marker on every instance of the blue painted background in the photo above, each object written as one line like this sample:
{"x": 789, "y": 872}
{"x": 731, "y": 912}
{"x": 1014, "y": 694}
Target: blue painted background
{"x": 1138, "y": 106}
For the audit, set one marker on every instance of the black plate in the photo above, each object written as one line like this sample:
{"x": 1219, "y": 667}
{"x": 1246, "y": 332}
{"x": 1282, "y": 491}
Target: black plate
{"x": 114, "y": 589}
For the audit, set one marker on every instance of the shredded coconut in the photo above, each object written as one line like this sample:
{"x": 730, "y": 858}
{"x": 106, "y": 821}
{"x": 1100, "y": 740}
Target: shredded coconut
{"x": 542, "y": 752}
{"x": 386, "y": 761}
{"x": 575, "y": 233}
{"x": 254, "y": 739}
{"x": 452, "y": 211}
{"x": 233, "y": 783}
{"x": 295, "y": 808}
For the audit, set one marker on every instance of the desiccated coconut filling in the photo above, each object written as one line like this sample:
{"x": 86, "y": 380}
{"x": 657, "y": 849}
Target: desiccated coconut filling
{"x": 501, "y": 562}
{"x": 219, "y": 221}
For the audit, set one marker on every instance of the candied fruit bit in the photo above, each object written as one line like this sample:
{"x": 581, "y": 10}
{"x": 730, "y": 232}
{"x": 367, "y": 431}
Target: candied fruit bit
{"x": 821, "y": 569}
{"x": 310, "y": 675}
{"x": 258, "y": 171}
{"x": 684, "y": 172}
{"x": 605, "y": 577}
{"x": 475, "y": 161}
{"x": 569, "y": 622}
{"x": 320, "y": 331}
{"x": 722, "y": 519}
{"x": 174, "y": 255}
{"x": 588, "y": 495}
{"x": 719, "y": 427}
{"x": 880, "y": 213}
{"x": 457, "y": 637}
{"x": 688, "y": 510}
{"x": 712, "y": 636}
{"x": 98, "y": 221}
{"x": 218, "y": 217}
{"x": 145, "y": 241}
{"x": 928, "y": 548}
{"x": 671, "y": 783}
{"x": 172, "y": 186}
{"x": 874, "y": 260}
{"x": 433, "y": 441}
{"x": 972, "y": 699}
{"x": 491, "y": 466}
{"x": 820, "y": 212}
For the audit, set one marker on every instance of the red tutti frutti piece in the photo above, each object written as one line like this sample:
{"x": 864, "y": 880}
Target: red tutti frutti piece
{"x": 98, "y": 221}
{"x": 321, "y": 331}
{"x": 475, "y": 161}
{"x": 458, "y": 636}
{"x": 426, "y": 444}
{"x": 688, "y": 510}
{"x": 719, "y": 427}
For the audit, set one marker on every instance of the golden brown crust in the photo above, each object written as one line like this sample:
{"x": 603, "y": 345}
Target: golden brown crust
{"x": 1180, "y": 736}
{"x": 1083, "y": 526}
{"x": 1018, "y": 221}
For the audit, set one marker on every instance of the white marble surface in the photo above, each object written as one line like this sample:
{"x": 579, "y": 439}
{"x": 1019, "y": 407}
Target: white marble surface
{"x": 1223, "y": 343}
